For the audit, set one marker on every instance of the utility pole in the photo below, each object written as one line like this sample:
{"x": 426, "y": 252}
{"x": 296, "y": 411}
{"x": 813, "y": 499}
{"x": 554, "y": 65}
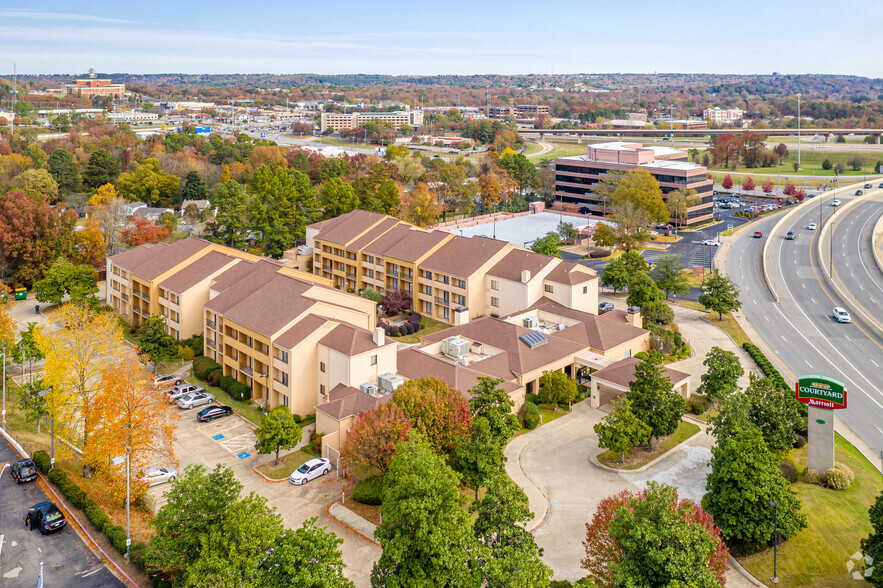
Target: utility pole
{"x": 798, "y": 130}
{"x": 14, "y": 99}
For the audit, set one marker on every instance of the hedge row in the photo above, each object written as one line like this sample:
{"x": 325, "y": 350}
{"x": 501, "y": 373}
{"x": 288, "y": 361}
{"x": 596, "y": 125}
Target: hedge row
{"x": 235, "y": 388}
{"x": 764, "y": 364}
{"x": 203, "y": 366}
{"x": 531, "y": 415}
{"x": 369, "y": 490}
{"x": 99, "y": 519}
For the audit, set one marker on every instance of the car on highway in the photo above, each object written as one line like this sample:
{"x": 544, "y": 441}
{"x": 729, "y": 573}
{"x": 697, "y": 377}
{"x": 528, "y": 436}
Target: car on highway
{"x": 605, "y": 307}
{"x": 183, "y": 390}
{"x": 49, "y": 517}
{"x": 868, "y": 186}
{"x": 213, "y": 412}
{"x": 790, "y": 235}
{"x": 758, "y": 234}
{"x": 858, "y": 192}
{"x": 311, "y": 470}
{"x": 195, "y": 399}
{"x": 155, "y": 476}
{"x": 836, "y": 202}
{"x": 711, "y": 242}
{"x": 24, "y": 470}
{"x": 841, "y": 316}
{"x": 166, "y": 381}
{"x": 881, "y": 185}
{"x": 811, "y": 226}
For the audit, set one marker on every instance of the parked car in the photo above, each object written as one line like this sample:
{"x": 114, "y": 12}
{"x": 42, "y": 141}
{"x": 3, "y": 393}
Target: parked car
{"x": 195, "y": 399}
{"x": 49, "y": 518}
{"x": 811, "y": 226}
{"x": 841, "y": 316}
{"x": 758, "y": 234}
{"x": 605, "y": 307}
{"x": 790, "y": 235}
{"x": 711, "y": 242}
{"x": 166, "y": 380}
{"x": 310, "y": 470}
{"x": 213, "y": 412}
{"x": 155, "y": 476}
{"x": 24, "y": 470}
{"x": 836, "y": 202}
{"x": 183, "y": 390}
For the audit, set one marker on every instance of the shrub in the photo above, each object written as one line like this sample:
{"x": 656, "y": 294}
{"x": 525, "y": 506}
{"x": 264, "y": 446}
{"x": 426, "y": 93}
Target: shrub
{"x": 203, "y": 365}
{"x": 407, "y": 329}
{"x": 369, "y": 490}
{"x": 316, "y": 442}
{"x": 97, "y": 517}
{"x": 599, "y": 253}
{"x": 532, "y": 398}
{"x": 531, "y": 415}
{"x": 697, "y": 404}
{"x": 839, "y": 477}
{"x": 214, "y": 377}
{"x": 227, "y": 383}
{"x": 185, "y": 352}
{"x": 800, "y": 442}
{"x": 117, "y": 537}
{"x": 415, "y": 319}
{"x": 812, "y": 477}
{"x": 41, "y": 459}
{"x": 196, "y": 343}
{"x": 137, "y": 553}
{"x": 788, "y": 469}
{"x": 642, "y": 355}
{"x": 297, "y": 418}
{"x": 239, "y": 391}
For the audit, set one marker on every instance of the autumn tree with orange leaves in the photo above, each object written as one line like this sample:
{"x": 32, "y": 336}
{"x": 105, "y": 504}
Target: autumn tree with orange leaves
{"x": 143, "y": 231}
{"x": 132, "y": 413}
{"x": 78, "y": 343}
{"x": 420, "y": 206}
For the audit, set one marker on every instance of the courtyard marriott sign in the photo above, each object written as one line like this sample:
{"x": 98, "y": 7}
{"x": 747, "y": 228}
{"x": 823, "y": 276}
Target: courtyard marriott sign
{"x": 821, "y": 392}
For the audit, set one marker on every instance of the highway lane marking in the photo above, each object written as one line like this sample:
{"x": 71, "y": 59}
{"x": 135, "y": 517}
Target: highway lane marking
{"x": 874, "y": 362}
{"x": 766, "y": 318}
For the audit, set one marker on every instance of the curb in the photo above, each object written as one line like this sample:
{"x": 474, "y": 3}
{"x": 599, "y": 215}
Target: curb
{"x": 737, "y": 567}
{"x": 595, "y": 461}
{"x": 266, "y": 479}
{"x": 345, "y": 526}
{"x": 875, "y": 237}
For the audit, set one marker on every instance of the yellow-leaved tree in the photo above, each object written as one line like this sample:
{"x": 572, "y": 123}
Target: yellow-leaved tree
{"x": 8, "y": 324}
{"x": 78, "y": 343}
{"x": 109, "y": 210}
{"x": 131, "y": 413}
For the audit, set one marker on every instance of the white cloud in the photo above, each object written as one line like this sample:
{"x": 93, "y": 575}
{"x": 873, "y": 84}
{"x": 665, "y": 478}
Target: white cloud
{"x": 23, "y": 13}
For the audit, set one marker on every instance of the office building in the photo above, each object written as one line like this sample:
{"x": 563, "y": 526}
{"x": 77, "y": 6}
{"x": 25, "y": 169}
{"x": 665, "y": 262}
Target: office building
{"x": 94, "y": 86}
{"x": 345, "y": 121}
{"x": 723, "y": 116}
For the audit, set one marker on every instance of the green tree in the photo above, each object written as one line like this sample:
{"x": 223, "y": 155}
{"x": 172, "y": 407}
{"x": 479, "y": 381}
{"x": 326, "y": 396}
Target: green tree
{"x": 520, "y": 168}
{"x": 38, "y": 183}
{"x": 333, "y": 167}
{"x": 658, "y": 312}
{"x": 677, "y": 202}
{"x": 668, "y": 275}
{"x": 282, "y": 203}
{"x": 277, "y": 431}
{"x": 567, "y": 231}
{"x": 64, "y": 170}
{"x": 643, "y": 290}
{"x": 103, "y": 168}
{"x": 425, "y": 533}
{"x": 720, "y": 294}
{"x": 153, "y": 341}
{"x": 604, "y": 235}
{"x": 149, "y": 183}
{"x": 31, "y": 403}
{"x": 194, "y": 187}
{"x": 489, "y": 401}
{"x": 556, "y": 387}
{"x": 745, "y": 476}
{"x": 653, "y": 398}
{"x": 337, "y": 197}
{"x": 635, "y": 262}
{"x": 480, "y": 458}
{"x": 827, "y": 164}
{"x": 65, "y": 278}
{"x": 371, "y": 294}
{"x": 764, "y": 405}
{"x": 636, "y": 201}
{"x": 547, "y": 245}
{"x": 378, "y": 190}
{"x": 616, "y": 275}
{"x": 511, "y": 557}
{"x": 873, "y": 545}
{"x": 621, "y": 429}
{"x": 230, "y": 223}
{"x": 722, "y": 376}
{"x": 26, "y": 346}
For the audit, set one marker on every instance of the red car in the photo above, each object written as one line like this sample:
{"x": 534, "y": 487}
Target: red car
{"x": 758, "y": 234}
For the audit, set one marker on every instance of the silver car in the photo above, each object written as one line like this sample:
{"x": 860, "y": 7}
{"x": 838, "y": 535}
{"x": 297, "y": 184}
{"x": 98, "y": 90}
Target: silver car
{"x": 195, "y": 399}
{"x": 182, "y": 390}
{"x": 154, "y": 476}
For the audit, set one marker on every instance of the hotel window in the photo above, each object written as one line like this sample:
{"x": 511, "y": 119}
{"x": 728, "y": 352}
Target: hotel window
{"x": 461, "y": 300}
{"x": 427, "y": 290}
{"x": 322, "y": 366}
{"x": 284, "y": 357}
{"x": 550, "y": 289}
{"x": 585, "y": 289}
{"x": 427, "y": 308}
{"x": 285, "y": 401}
{"x": 369, "y": 273}
{"x": 446, "y": 313}
{"x": 373, "y": 360}
{"x": 495, "y": 285}
{"x": 322, "y": 389}
{"x": 284, "y": 378}
{"x": 460, "y": 283}
{"x": 495, "y": 302}
{"x": 445, "y": 279}
{"x": 369, "y": 258}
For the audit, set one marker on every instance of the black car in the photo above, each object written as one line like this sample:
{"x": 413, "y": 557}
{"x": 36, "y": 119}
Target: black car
{"x": 213, "y": 412}
{"x": 49, "y": 518}
{"x": 24, "y": 470}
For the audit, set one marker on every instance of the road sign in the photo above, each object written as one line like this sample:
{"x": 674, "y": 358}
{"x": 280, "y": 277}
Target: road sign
{"x": 729, "y": 227}
{"x": 821, "y": 392}
{"x": 263, "y": 135}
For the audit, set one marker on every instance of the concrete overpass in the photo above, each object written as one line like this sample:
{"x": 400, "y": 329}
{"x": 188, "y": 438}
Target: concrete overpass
{"x": 544, "y": 133}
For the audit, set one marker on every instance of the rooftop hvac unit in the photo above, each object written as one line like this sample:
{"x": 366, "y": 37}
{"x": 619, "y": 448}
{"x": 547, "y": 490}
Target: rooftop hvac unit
{"x": 369, "y": 389}
{"x": 455, "y": 347}
{"x": 530, "y": 322}
{"x": 390, "y": 381}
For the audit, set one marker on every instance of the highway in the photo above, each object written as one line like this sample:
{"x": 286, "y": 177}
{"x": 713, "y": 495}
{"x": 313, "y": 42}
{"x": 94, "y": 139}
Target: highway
{"x": 799, "y": 329}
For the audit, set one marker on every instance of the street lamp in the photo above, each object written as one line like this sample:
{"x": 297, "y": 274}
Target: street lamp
{"x": 772, "y": 504}
{"x": 5, "y": 465}
{"x": 4, "y": 387}
{"x": 43, "y": 393}
{"x": 266, "y": 377}
{"x": 117, "y": 461}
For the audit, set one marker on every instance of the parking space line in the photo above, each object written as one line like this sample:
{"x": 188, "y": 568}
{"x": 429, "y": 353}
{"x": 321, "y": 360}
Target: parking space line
{"x": 231, "y": 428}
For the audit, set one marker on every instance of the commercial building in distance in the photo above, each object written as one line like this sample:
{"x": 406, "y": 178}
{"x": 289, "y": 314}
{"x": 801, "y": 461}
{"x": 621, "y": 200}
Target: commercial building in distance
{"x": 519, "y": 111}
{"x": 94, "y": 86}
{"x": 576, "y": 176}
{"x": 345, "y": 121}
{"x": 723, "y": 116}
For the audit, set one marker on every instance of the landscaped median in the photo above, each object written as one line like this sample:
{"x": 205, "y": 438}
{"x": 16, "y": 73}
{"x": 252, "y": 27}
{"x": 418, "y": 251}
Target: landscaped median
{"x": 279, "y": 472}
{"x": 642, "y": 455}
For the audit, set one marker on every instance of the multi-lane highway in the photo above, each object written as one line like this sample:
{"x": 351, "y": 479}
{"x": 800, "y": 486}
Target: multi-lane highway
{"x": 799, "y": 328}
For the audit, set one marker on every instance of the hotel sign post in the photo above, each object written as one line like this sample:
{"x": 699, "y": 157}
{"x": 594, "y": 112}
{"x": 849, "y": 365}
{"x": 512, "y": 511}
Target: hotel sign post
{"x": 821, "y": 395}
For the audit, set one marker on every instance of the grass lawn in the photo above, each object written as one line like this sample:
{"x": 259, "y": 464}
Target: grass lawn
{"x": 548, "y": 413}
{"x": 561, "y": 150}
{"x": 127, "y": 331}
{"x": 431, "y": 326}
{"x": 531, "y": 148}
{"x": 247, "y": 408}
{"x": 287, "y": 464}
{"x": 641, "y": 455}
{"x": 369, "y": 512}
{"x": 730, "y": 327}
{"x": 695, "y": 280}
{"x": 811, "y": 164}
{"x": 837, "y": 521}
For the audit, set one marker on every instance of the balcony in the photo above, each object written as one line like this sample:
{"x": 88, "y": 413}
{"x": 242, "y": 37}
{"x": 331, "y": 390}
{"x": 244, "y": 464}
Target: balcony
{"x": 145, "y": 297}
{"x": 210, "y": 324}
{"x": 351, "y": 275}
{"x": 125, "y": 297}
{"x": 393, "y": 272}
{"x": 442, "y": 301}
{"x": 245, "y": 369}
{"x": 210, "y": 344}
{"x": 136, "y": 310}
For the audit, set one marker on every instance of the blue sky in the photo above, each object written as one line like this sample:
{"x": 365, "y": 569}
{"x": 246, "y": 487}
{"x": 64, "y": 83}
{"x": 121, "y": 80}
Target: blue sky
{"x": 453, "y": 37}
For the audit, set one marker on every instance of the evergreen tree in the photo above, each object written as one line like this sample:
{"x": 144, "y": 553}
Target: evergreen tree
{"x": 653, "y": 398}
{"x": 621, "y": 429}
{"x": 722, "y": 376}
{"x": 230, "y": 224}
{"x": 194, "y": 187}
{"x": 720, "y": 294}
{"x": 873, "y": 545}
{"x": 103, "y": 168}
{"x": 64, "y": 171}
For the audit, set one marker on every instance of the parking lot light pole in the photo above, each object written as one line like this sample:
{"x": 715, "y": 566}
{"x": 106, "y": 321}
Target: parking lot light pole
{"x": 117, "y": 461}
{"x": 774, "y": 505}
{"x": 266, "y": 377}
{"x": 4, "y": 387}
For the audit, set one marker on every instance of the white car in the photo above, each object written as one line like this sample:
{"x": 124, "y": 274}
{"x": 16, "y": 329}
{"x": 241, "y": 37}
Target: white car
{"x": 310, "y": 470}
{"x": 195, "y": 399}
{"x": 154, "y": 476}
{"x": 811, "y": 226}
{"x": 711, "y": 242}
{"x": 835, "y": 202}
{"x": 841, "y": 316}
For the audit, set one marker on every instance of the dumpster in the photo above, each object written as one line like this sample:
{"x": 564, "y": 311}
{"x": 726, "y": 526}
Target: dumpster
{"x": 21, "y": 293}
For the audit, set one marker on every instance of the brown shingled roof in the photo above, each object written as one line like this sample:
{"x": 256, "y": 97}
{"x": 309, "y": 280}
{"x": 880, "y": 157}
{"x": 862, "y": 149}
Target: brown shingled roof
{"x": 348, "y": 340}
{"x": 416, "y": 244}
{"x": 571, "y": 273}
{"x": 300, "y": 331}
{"x": 347, "y": 227}
{"x": 462, "y": 256}
{"x": 509, "y": 268}
{"x": 376, "y": 231}
{"x": 598, "y": 332}
{"x": 623, "y": 372}
{"x": 133, "y": 258}
{"x": 413, "y": 364}
{"x": 238, "y": 282}
{"x": 197, "y": 271}
{"x": 165, "y": 257}
{"x": 270, "y": 306}
{"x": 347, "y": 401}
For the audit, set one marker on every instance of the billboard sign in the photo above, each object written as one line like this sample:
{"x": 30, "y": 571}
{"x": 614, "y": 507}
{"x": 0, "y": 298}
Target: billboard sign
{"x": 820, "y": 392}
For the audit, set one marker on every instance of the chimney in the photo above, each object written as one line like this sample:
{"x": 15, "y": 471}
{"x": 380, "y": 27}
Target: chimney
{"x": 525, "y": 276}
{"x": 634, "y": 317}
{"x": 379, "y": 336}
